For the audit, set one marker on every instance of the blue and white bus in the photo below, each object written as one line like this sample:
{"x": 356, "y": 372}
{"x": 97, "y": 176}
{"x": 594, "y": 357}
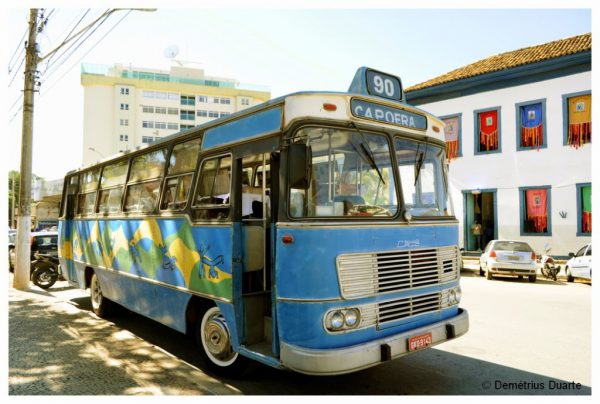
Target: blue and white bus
{"x": 313, "y": 232}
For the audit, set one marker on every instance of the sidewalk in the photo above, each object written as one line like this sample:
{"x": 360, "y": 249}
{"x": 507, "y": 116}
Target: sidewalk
{"x": 57, "y": 349}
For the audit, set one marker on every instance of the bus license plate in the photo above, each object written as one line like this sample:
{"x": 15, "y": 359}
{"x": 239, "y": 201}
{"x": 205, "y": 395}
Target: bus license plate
{"x": 420, "y": 342}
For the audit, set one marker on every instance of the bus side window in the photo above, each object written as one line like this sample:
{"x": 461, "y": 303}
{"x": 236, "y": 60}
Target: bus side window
{"x": 86, "y": 200}
{"x": 144, "y": 182}
{"x": 213, "y": 190}
{"x": 182, "y": 164}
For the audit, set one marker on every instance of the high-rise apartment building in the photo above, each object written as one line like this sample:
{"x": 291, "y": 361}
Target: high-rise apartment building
{"x": 125, "y": 107}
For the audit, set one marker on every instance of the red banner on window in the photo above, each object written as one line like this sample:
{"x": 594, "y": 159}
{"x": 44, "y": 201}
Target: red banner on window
{"x": 580, "y": 120}
{"x": 537, "y": 211}
{"x": 488, "y": 130}
{"x": 451, "y": 136}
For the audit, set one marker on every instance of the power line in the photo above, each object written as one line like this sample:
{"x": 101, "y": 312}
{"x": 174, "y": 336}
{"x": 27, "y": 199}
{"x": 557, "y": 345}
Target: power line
{"x": 16, "y": 72}
{"x": 67, "y": 36}
{"x": 19, "y": 46}
{"x": 89, "y": 50}
{"x": 80, "y": 40}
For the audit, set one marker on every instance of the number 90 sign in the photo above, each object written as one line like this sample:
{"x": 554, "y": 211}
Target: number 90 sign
{"x": 384, "y": 85}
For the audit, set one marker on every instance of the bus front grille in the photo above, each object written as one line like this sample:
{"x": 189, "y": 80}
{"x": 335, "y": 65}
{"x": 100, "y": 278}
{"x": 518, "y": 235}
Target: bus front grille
{"x": 372, "y": 274}
{"x": 379, "y": 314}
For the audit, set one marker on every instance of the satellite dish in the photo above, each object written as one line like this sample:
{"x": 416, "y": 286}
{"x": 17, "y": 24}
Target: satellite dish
{"x": 171, "y": 51}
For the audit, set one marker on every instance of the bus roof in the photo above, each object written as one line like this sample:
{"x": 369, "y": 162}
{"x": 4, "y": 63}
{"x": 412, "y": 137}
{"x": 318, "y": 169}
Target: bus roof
{"x": 275, "y": 115}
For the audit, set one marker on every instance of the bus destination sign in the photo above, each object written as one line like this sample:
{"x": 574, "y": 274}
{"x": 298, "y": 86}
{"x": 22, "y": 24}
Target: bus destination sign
{"x": 383, "y": 113}
{"x": 378, "y": 84}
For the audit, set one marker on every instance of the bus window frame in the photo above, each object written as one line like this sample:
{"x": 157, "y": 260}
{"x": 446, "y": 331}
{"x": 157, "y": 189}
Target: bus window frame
{"x": 355, "y": 127}
{"x": 229, "y": 206}
{"x": 128, "y": 183}
{"x": 167, "y": 177}
{"x": 81, "y": 174}
{"x": 127, "y": 162}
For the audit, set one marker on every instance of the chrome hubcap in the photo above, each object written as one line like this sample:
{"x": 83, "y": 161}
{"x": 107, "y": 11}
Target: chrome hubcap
{"x": 216, "y": 339}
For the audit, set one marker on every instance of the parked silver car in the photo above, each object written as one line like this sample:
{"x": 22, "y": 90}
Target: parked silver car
{"x": 580, "y": 264}
{"x": 508, "y": 257}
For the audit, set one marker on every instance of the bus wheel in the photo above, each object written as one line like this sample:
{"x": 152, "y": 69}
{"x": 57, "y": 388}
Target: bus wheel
{"x": 216, "y": 351}
{"x": 101, "y": 306}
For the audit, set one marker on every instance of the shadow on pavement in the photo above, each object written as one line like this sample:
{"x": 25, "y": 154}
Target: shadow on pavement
{"x": 55, "y": 349}
{"x": 430, "y": 372}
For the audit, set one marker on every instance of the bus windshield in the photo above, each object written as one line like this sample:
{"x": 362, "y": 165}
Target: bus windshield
{"x": 422, "y": 178}
{"x": 352, "y": 175}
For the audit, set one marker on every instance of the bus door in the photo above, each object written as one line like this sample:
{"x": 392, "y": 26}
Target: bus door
{"x": 254, "y": 215}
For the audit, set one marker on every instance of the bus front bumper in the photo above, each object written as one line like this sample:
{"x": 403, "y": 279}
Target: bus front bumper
{"x": 345, "y": 360}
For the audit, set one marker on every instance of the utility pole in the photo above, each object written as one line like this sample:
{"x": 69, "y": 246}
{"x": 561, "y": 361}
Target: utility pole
{"x": 23, "y": 247}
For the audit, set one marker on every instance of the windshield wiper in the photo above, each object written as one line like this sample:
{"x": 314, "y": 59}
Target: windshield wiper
{"x": 367, "y": 150}
{"x": 419, "y": 163}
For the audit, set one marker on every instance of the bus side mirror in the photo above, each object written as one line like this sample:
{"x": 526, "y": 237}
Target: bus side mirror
{"x": 300, "y": 166}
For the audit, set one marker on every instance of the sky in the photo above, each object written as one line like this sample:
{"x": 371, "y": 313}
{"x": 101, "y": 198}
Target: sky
{"x": 286, "y": 49}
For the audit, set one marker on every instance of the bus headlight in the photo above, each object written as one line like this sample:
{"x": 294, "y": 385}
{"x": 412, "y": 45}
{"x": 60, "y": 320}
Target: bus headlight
{"x": 351, "y": 318}
{"x": 342, "y": 319}
{"x": 455, "y": 295}
{"x": 336, "y": 320}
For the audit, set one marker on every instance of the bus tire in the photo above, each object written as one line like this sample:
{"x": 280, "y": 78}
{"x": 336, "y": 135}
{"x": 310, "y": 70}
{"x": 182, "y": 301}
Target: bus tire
{"x": 101, "y": 306}
{"x": 216, "y": 351}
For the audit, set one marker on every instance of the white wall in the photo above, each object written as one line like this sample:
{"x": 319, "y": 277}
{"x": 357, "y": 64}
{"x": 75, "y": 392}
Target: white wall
{"x": 558, "y": 166}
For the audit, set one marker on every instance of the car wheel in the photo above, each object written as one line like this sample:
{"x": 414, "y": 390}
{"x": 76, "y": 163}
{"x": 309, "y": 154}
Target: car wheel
{"x": 489, "y": 275}
{"x": 570, "y": 277}
{"x": 216, "y": 350}
{"x": 532, "y": 278}
{"x": 481, "y": 273}
{"x": 101, "y": 306}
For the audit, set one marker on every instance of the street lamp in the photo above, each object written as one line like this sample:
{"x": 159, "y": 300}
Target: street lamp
{"x": 94, "y": 150}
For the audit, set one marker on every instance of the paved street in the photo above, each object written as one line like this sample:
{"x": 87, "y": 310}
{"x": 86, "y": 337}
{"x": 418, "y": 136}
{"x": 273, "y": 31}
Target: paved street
{"x": 524, "y": 338}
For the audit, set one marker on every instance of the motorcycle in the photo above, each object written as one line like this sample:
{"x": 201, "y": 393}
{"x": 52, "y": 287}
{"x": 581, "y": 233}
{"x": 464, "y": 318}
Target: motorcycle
{"x": 45, "y": 270}
{"x": 549, "y": 267}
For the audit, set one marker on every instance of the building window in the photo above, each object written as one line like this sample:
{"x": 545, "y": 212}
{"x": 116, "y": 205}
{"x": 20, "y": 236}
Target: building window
{"x": 124, "y": 138}
{"x": 584, "y": 209}
{"x": 188, "y": 100}
{"x": 185, "y": 115}
{"x": 453, "y": 136}
{"x": 149, "y": 94}
{"x": 182, "y": 127}
{"x": 149, "y": 139}
{"x": 171, "y": 125}
{"x": 147, "y": 109}
{"x": 173, "y": 96}
{"x": 124, "y": 122}
{"x": 535, "y": 211}
{"x": 213, "y": 114}
{"x": 160, "y": 125}
{"x": 124, "y": 107}
{"x": 173, "y": 111}
{"x": 216, "y": 100}
{"x": 202, "y": 98}
{"x": 225, "y": 100}
{"x": 245, "y": 101}
{"x": 148, "y": 124}
{"x": 124, "y": 91}
{"x": 487, "y": 131}
{"x": 531, "y": 125}
{"x": 577, "y": 119}
{"x": 161, "y": 95}
{"x": 160, "y": 110}
{"x": 202, "y": 113}
{"x": 222, "y": 114}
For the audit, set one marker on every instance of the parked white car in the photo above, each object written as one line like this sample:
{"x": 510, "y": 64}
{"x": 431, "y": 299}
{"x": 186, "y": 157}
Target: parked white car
{"x": 508, "y": 257}
{"x": 580, "y": 264}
